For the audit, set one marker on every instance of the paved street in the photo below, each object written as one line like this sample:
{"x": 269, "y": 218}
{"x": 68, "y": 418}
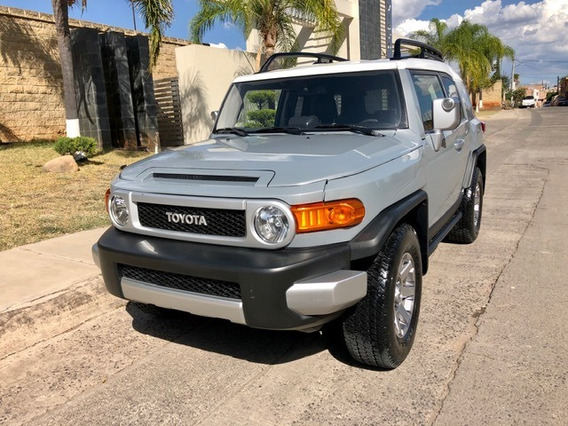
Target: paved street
{"x": 491, "y": 344}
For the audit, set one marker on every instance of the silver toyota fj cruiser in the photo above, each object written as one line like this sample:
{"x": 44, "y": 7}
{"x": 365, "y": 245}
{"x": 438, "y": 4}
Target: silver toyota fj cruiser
{"x": 316, "y": 201}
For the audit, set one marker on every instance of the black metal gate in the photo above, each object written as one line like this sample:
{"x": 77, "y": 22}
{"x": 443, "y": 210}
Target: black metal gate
{"x": 166, "y": 92}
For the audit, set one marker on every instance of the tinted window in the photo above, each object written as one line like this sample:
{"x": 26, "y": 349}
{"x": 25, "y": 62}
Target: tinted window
{"x": 428, "y": 88}
{"x": 452, "y": 92}
{"x": 370, "y": 99}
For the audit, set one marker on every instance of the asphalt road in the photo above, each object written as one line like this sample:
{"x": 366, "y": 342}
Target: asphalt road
{"x": 491, "y": 346}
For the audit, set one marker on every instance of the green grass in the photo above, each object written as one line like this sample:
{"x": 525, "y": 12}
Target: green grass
{"x": 35, "y": 205}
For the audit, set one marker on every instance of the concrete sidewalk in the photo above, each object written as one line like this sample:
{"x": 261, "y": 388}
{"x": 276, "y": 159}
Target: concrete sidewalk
{"x": 35, "y": 272}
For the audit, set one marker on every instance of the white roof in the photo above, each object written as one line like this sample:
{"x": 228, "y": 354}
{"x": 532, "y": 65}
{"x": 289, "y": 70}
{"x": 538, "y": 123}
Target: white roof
{"x": 350, "y": 67}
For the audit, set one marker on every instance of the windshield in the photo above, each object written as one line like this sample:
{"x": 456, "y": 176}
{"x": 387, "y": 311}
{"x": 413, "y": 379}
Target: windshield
{"x": 332, "y": 102}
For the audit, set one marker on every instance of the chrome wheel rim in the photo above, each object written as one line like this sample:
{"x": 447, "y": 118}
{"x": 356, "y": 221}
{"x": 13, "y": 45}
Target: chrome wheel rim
{"x": 404, "y": 294}
{"x": 477, "y": 205}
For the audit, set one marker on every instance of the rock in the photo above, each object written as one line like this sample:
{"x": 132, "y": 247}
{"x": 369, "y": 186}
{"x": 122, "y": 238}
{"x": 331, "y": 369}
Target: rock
{"x": 62, "y": 164}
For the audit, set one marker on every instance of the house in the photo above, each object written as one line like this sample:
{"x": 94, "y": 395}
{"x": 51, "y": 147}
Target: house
{"x": 538, "y": 91}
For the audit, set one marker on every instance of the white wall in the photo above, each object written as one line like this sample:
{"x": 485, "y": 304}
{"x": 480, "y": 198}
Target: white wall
{"x": 205, "y": 74}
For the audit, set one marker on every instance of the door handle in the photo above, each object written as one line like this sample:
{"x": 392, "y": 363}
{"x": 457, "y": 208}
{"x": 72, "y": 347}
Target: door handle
{"x": 458, "y": 145}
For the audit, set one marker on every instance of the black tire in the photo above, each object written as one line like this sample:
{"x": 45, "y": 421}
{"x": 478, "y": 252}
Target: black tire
{"x": 370, "y": 330}
{"x": 467, "y": 229}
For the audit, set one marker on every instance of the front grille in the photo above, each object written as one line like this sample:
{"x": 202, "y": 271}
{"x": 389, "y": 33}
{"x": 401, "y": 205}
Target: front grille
{"x": 209, "y": 178}
{"x": 223, "y": 223}
{"x": 204, "y": 286}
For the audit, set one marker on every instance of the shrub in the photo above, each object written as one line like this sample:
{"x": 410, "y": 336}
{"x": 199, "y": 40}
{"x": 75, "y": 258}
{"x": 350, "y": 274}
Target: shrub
{"x": 65, "y": 146}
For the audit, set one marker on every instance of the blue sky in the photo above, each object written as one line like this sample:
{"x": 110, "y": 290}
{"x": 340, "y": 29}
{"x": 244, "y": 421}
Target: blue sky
{"x": 536, "y": 29}
{"x": 448, "y": 8}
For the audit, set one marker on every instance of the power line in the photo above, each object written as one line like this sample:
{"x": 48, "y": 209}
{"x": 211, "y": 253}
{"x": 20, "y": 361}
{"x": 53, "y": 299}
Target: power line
{"x": 538, "y": 60}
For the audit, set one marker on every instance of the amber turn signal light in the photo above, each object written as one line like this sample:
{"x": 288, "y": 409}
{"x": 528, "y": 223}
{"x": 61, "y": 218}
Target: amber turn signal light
{"x": 329, "y": 215}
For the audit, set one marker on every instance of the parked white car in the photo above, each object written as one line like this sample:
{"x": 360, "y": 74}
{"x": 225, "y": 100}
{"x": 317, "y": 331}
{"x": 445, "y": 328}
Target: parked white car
{"x": 528, "y": 102}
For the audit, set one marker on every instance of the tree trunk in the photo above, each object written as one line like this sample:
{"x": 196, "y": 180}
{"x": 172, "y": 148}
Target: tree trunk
{"x": 61, "y": 14}
{"x": 269, "y": 37}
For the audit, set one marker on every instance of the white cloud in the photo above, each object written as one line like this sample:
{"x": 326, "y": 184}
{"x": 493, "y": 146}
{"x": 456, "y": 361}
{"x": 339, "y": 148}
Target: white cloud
{"x": 454, "y": 20}
{"x": 409, "y": 9}
{"x": 218, "y": 45}
{"x": 536, "y": 31}
{"x": 409, "y": 26}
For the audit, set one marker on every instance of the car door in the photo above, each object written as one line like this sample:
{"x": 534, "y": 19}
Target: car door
{"x": 459, "y": 139}
{"x": 445, "y": 167}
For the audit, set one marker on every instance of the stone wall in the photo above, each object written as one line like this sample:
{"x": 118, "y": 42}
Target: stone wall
{"x": 31, "y": 87}
{"x": 492, "y": 98}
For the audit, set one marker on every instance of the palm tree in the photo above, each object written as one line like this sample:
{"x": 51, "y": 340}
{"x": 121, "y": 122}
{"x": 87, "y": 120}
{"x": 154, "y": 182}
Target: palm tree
{"x": 435, "y": 36}
{"x": 272, "y": 18}
{"x": 475, "y": 50}
{"x": 157, "y": 15}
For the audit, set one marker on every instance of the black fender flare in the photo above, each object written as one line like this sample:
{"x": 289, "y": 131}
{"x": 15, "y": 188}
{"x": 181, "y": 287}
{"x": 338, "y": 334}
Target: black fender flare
{"x": 479, "y": 159}
{"x": 412, "y": 209}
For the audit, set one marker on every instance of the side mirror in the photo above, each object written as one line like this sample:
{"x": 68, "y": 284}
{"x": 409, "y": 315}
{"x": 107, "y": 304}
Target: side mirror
{"x": 446, "y": 116}
{"x": 446, "y": 113}
{"x": 214, "y": 115}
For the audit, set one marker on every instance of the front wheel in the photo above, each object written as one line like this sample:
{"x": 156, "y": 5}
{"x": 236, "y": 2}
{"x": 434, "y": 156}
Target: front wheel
{"x": 380, "y": 330}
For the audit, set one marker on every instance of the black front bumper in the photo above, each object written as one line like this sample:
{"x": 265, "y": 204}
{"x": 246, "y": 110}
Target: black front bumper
{"x": 263, "y": 275}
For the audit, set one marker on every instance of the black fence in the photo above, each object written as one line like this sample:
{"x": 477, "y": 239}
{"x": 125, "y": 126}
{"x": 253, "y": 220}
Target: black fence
{"x": 114, "y": 89}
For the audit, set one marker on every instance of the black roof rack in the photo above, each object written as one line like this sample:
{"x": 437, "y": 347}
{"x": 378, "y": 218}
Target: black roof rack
{"x": 426, "y": 51}
{"x": 322, "y": 58}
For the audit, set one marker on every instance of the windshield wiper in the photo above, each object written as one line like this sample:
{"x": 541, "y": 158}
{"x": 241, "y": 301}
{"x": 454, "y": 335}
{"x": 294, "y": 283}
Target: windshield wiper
{"x": 290, "y": 130}
{"x": 233, "y": 130}
{"x": 352, "y": 128}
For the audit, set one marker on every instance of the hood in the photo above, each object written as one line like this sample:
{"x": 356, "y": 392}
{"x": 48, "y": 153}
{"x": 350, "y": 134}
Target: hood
{"x": 279, "y": 160}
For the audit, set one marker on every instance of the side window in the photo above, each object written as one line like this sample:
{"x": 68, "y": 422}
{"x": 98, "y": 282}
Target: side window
{"x": 466, "y": 102}
{"x": 452, "y": 92}
{"x": 428, "y": 88}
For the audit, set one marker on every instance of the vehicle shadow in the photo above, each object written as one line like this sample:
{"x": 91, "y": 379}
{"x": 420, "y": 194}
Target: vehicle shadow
{"x": 238, "y": 341}
{"x": 223, "y": 337}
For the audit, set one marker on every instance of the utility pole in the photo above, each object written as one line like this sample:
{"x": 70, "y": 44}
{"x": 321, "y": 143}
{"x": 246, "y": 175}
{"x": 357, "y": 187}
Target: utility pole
{"x": 513, "y": 76}
{"x": 513, "y": 83}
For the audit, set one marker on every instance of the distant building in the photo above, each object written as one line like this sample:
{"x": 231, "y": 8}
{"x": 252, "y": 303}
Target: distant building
{"x": 563, "y": 87}
{"x": 536, "y": 90}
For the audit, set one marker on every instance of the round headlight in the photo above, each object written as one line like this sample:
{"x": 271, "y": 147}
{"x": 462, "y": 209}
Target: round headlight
{"x": 271, "y": 224}
{"x": 118, "y": 209}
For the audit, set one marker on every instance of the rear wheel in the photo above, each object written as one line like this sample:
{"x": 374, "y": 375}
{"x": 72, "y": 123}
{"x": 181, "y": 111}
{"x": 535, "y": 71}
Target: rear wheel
{"x": 380, "y": 330}
{"x": 467, "y": 229}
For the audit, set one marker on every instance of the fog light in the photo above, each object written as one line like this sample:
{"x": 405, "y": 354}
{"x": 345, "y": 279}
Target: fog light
{"x": 118, "y": 209}
{"x": 271, "y": 224}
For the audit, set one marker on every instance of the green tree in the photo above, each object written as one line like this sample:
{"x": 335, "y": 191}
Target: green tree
{"x": 157, "y": 15}
{"x": 272, "y": 18}
{"x": 435, "y": 36}
{"x": 516, "y": 96}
